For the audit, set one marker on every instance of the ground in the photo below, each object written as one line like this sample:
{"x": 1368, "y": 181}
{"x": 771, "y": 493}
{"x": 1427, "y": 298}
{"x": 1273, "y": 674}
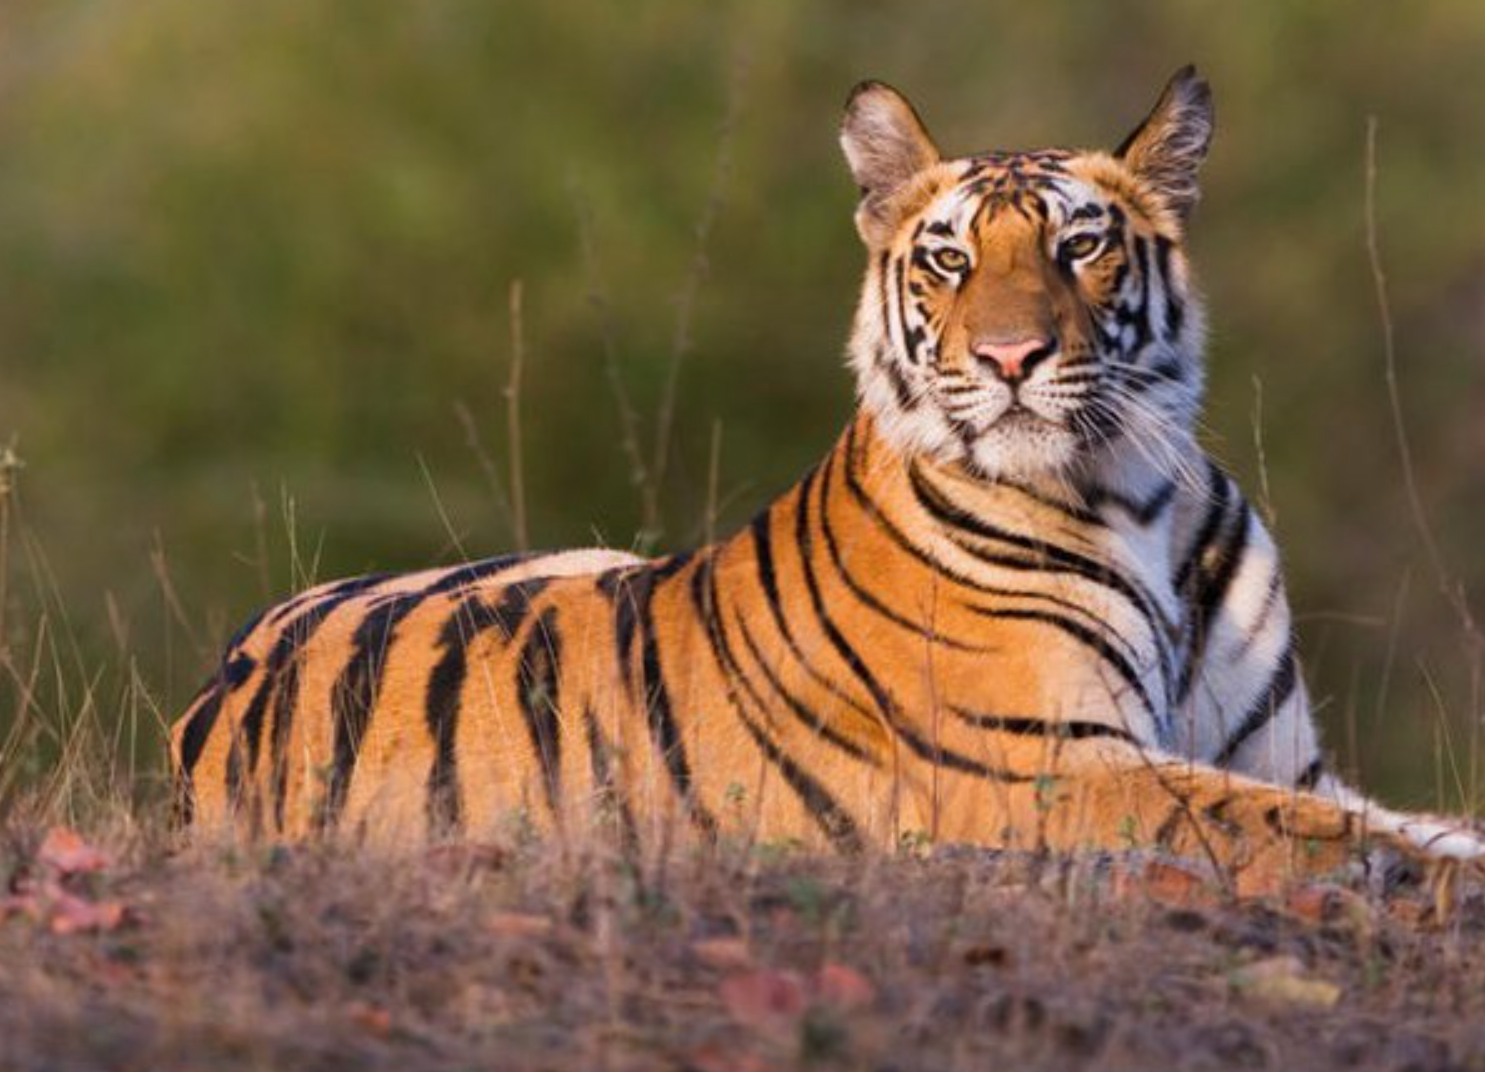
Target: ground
{"x": 120, "y": 950}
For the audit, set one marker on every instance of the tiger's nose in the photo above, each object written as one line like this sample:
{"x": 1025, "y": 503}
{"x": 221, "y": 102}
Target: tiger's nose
{"x": 1013, "y": 361}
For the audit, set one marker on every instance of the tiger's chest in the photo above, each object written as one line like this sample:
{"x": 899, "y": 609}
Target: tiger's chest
{"x": 1082, "y": 629}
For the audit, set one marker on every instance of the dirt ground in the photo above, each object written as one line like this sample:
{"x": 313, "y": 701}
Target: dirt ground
{"x": 119, "y": 953}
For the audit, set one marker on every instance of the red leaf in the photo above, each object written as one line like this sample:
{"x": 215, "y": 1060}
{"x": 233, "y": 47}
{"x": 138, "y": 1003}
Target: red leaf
{"x": 72, "y": 915}
{"x": 1168, "y": 883}
{"x": 373, "y": 1019}
{"x": 65, "y": 852}
{"x": 845, "y": 988}
{"x": 463, "y": 858}
{"x": 24, "y": 903}
{"x": 713, "y": 1058}
{"x": 519, "y": 925}
{"x": 766, "y": 999}
{"x": 722, "y": 953}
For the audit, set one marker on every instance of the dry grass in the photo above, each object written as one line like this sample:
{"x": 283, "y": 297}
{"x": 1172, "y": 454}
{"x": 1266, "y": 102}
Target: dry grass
{"x": 531, "y": 957}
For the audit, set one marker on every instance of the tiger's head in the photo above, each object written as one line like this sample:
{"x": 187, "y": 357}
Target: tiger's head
{"x": 1029, "y": 315}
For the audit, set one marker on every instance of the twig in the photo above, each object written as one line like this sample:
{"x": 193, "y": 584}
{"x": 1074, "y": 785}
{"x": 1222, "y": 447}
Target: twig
{"x": 1265, "y": 498}
{"x": 713, "y": 477}
{"x": 161, "y": 568}
{"x": 682, "y": 341}
{"x": 1451, "y": 591}
{"x": 476, "y": 445}
{"x": 455, "y": 541}
{"x": 260, "y": 540}
{"x": 598, "y": 301}
{"x": 10, "y": 466}
{"x": 513, "y": 419}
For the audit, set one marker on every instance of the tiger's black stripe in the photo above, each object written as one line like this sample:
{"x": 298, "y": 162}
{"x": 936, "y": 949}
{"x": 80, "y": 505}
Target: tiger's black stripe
{"x": 1175, "y": 312}
{"x": 1218, "y": 495}
{"x": 1145, "y": 513}
{"x": 813, "y": 721}
{"x": 901, "y": 540}
{"x": 1310, "y": 777}
{"x": 1084, "y": 635}
{"x": 538, "y": 682}
{"x": 205, "y": 710}
{"x": 1053, "y": 558}
{"x": 1210, "y": 584}
{"x": 832, "y": 545}
{"x": 1262, "y": 711}
{"x": 337, "y": 592}
{"x": 352, "y": 698}
{"x": 281, "y": 677}
{"x": 354, "y": 694}
{"x": 1021, "y": 726}
{"x": 633, "y": 593}
{"x": 886, "y": 705}
{"x": 295, "y": 635}
{"x": 441, "y": 704}
{"x": 762, "y": 539}
{"x": 606, "y": 786}
{"x": 832, "y": 819}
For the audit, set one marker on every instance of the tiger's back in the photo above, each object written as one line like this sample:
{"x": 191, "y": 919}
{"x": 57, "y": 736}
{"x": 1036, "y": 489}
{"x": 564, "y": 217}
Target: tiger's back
{"x": 346, "y": 701}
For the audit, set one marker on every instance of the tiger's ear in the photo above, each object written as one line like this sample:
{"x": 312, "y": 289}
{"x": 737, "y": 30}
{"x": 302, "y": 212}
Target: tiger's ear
{"x": 885, "y": 144}
{"x": 1167, "y": 149}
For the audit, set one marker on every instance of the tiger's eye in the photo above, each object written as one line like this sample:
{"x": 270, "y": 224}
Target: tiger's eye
{"x": 949, "y": 260}
{"x": 1080, "y": 247}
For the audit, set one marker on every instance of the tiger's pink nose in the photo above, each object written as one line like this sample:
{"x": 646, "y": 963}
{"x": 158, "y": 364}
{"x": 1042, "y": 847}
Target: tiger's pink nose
{"x": 1013, "y": 361}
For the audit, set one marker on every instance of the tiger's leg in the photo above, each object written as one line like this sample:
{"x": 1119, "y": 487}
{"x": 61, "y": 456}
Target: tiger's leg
{"x": 1258, "y": 833}
{"x": 1244, "y": 703}
{"x": 1115, "y": 796}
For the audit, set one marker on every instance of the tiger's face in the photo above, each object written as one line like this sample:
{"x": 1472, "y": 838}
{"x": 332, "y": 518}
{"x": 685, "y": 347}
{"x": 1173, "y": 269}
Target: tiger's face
{"x": 1029, "y": 314}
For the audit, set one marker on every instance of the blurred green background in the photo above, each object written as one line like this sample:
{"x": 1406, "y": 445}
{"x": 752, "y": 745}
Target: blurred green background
{"x": 254, "y": 257}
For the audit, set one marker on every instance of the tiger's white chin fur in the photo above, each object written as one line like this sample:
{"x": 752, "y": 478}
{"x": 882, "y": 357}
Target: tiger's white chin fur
{"x": 1022, "y": 446}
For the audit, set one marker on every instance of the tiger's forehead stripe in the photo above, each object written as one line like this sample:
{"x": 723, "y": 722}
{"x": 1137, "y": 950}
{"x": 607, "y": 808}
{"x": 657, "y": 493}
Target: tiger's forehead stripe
{"x": 1035, "y": 185}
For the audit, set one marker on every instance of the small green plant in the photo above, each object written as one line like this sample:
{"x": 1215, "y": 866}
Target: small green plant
{"x": 914, "y": 843}
{"x": 1045, "y": 787}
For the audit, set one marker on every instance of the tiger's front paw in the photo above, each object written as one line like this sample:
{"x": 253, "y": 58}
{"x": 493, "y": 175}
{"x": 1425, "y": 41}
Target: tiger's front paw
{"x": 1412, "y": 851}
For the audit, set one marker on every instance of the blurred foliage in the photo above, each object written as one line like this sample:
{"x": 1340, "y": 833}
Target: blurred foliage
{"x": 253, "y": 256}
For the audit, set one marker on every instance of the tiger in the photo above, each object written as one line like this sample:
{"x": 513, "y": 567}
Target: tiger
{"x": 1016, "y": 605}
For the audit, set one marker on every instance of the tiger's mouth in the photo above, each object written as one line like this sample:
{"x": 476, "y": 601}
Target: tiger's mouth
{"x": 1019, "y": 415}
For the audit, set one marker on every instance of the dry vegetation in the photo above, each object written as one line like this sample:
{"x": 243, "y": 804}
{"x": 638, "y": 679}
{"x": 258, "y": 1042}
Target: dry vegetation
{"x": 529, "y": 956}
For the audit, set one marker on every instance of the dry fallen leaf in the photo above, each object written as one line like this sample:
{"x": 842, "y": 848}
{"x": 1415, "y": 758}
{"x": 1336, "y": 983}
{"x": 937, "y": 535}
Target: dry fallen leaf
{"x": 986, "y": 956}
{"x": 1313, "y": 902}
{"x": 73, "y": 915}
{"x": 766, "y": 999}
{"x": 373, "y": 1019}
{"x": 844, "y": 987}
{"x": 464, "y": 858}
{"x": 519, "y": 925}
{"x": 1282, "y": 981}
{"x": 1321, "y": 902}
{"x": 713, "y": 1058}
{"x": 1167, "y": 883}
{"x": 23, "y": 903}
{"x": 1409, "y": 913}
{"x": 64, "y": 851}
{"x": 722, "y": 953}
